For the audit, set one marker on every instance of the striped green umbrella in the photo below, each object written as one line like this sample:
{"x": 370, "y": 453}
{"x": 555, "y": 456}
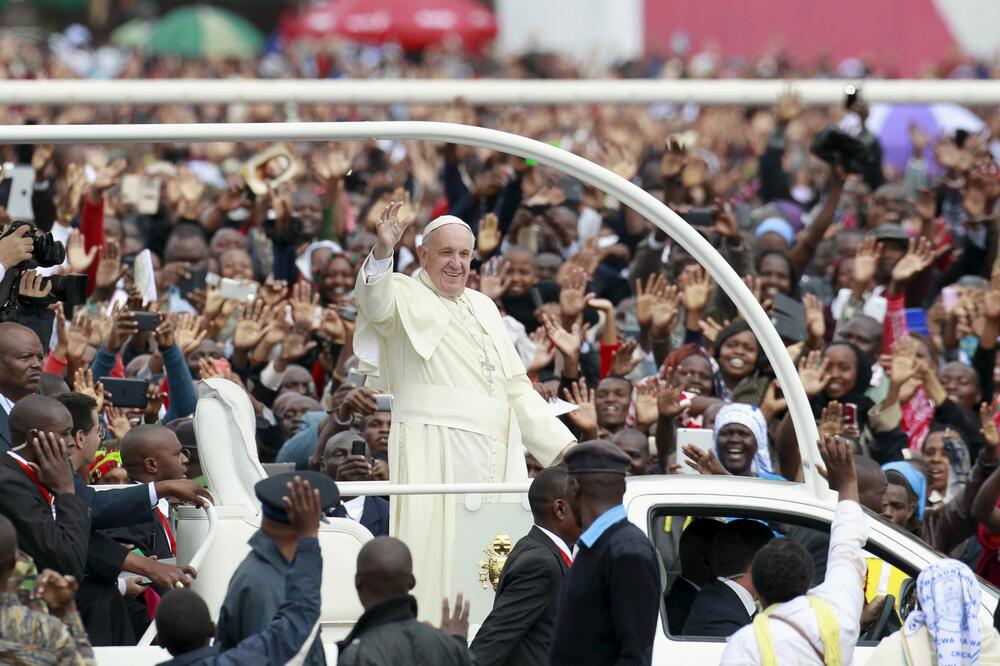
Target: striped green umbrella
{"x": 199, "y": 31}
{"x": 132, "y": 34}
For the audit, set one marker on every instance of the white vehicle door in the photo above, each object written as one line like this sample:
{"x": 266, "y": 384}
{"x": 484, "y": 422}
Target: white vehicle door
{"x": 661, "y": 505}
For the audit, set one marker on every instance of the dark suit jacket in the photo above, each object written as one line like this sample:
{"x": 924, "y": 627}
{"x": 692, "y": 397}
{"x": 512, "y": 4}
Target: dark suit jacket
{"x": 678, "y": 602}
{"x": 609, "y": 603}
{"x": 519, "y": 628}
{"x": 375, "y": 515}
{"x": 59, "y": 544}
{"x": 716, "y": 611}
{"x": 115, "y": 508}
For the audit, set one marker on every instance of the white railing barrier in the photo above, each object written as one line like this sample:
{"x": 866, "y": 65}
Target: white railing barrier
{"x": 493, "y": 91}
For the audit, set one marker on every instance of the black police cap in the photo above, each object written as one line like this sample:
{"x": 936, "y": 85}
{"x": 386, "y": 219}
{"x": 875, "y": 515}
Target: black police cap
{"x": 596, "y": 457}
{"x": 271, "y": 490}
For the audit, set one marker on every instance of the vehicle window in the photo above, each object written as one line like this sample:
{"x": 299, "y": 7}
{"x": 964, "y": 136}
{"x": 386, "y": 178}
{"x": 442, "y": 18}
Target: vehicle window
{"x": 692, "y": 567}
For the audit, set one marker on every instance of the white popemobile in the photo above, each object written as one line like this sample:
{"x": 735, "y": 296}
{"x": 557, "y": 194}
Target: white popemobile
{"x": 215, "y": 539}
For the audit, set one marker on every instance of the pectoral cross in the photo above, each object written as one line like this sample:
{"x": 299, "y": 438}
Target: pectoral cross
{"x": 488, "y": 369}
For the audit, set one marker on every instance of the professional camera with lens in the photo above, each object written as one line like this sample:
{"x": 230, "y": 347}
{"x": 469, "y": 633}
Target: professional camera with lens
{"x": 33, "y": 311}
{"x": 47, "y": 251}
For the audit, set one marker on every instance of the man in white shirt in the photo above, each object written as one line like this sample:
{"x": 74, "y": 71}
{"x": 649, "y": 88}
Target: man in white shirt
{"x": 519, "y": 628}
{"x": 802, "y": 626}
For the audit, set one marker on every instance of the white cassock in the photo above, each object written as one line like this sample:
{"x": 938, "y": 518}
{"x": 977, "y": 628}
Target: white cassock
{"x": 462, "y": 407}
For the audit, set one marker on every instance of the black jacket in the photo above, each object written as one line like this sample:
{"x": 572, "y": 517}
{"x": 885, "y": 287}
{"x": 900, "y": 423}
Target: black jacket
{"x": 716, "y": 611}
{"x": 609, "y": 602}
{"x": 518, "y": 630}
{"x": 59, "y": 544}
{"x": 388, "y": 634}
{"x": 374, "y": 517}
{"x": 678, "y": 602}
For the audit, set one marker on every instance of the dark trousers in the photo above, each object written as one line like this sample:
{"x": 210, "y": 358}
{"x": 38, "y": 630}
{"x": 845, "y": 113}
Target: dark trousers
{"x": 104, "y": 614}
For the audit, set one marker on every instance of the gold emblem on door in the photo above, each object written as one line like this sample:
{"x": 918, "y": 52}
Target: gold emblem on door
{"x": 496, "y": 557}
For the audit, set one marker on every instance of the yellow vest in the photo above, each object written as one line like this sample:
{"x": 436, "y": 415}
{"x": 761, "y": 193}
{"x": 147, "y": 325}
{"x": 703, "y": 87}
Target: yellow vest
{"x": 829, "y": 633}
{"x": 883, "y": 578}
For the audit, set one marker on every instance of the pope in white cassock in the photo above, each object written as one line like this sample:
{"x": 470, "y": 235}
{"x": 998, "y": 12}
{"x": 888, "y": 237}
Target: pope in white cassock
{"x": 462, "y": 402}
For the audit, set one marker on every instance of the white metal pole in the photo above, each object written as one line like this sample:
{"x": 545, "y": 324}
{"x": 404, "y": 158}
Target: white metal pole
{"x": 592, "y": 174}
{"x": 492, "y": 91}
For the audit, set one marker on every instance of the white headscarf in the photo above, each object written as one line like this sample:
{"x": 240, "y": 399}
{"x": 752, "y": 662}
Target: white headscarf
{"x": 949, "y": 607}
{"x": 753, "y": 420}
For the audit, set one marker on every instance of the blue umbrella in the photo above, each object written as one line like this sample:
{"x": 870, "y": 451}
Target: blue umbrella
{"x": 891, "y": 124}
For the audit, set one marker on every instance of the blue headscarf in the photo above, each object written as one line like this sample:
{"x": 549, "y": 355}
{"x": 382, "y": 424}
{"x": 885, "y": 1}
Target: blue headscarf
{"x": 917, "y": 481}
{"x": 949, "y": 599}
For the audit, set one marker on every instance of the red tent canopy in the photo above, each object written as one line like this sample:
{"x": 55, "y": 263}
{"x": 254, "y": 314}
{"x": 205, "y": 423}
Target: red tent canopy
{"x": 414, "y": 24}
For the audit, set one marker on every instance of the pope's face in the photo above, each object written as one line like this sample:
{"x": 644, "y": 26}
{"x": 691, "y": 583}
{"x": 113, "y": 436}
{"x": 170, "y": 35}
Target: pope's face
{"x": 446, "y": 255}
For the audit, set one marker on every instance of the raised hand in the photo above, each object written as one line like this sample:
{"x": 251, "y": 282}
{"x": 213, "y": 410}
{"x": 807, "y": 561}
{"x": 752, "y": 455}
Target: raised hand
{"x": 926, "y": 205}
{"x": 488, "y": 238}
{"x": 668, "y": 399}
{"x": 544, "y": 352}
{"x": 79, "y": 258}
{"x": 333, "y": 165}
{"x": 710, "y": 328}
{"x": 571, "y": 297}
{"x": 815, "y": 322}
{"x": 988, "y": 427}
{"x": 991, "y": 297}
{"x": 904, "y": 362}
{"x": 189, "y": 331}
{"x": 625, "y": 359}
{"x": 696, "y": 287}
{"x": 83, "y": 382}
{"x": 866, "y": 259}
{"x": 457, "y": 623}
{"x": 118, "y": 422}
{"x": 773, "y": 403}
{"x": 674, "y": 158}
{"x": 647, "y": 404}
{"x": 333, "y": 326}
{"x": 703, "y": 462}
{"x": 109, "y": 266}
{"x": 390, "y": 229}
{"x": 919, "y": 255}
{"x": 106, "y": 176}
{"x": 295, "y": 346}
{"x": 305, "y": 305}
{"x": 838, "y": 458}
{"x": 584, "y": 418}
{"x": 813, "y": 373}
{"x": 190, "y": 190}
{"x": 646, "y": 295}
{"x": 567, "y": 342}
{"x": 831, "y": 419}
{"x": 494, "y": 278}
{"x": 302, "y": 506}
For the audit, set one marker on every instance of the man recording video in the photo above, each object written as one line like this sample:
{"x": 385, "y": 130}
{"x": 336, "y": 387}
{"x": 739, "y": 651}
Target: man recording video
{"x": 25, "y": 295}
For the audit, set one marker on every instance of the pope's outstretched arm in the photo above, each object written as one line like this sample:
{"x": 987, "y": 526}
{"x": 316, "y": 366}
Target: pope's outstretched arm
{"x": 544, "y": 435}
{"x": 375, "y": 295}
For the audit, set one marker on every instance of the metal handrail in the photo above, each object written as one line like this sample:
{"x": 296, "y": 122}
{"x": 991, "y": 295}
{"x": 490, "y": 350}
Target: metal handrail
{"x": 584, "y": 170}
{"x": 196, "y": 561}
{"x": 380, "y": 488}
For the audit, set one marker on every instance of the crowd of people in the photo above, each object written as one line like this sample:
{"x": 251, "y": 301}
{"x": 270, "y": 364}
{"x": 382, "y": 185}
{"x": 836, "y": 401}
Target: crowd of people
{"x": 251, "y": 262}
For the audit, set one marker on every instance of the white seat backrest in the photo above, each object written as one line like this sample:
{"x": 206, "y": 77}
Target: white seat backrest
{"x": 340, "y": 540}
{"x": 225, "y": 428}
